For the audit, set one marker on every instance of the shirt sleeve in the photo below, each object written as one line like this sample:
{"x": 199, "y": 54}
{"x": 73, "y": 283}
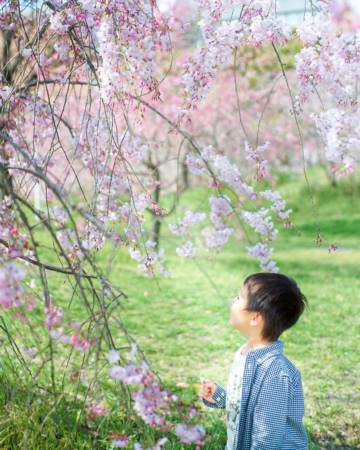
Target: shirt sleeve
{"x": 270, "y": 414}
{"x": 219, "y": 396}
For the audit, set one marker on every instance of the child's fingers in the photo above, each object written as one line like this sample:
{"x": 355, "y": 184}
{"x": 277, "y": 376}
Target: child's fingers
{"x": 210, "y": 399}
{"x": 206, "y": 391}
{"x": 210, "y": 386}
{"x": 203, "y": 392}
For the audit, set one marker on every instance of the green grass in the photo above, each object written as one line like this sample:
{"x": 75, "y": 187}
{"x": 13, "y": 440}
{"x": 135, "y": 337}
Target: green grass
{"x": 181, "y": 322}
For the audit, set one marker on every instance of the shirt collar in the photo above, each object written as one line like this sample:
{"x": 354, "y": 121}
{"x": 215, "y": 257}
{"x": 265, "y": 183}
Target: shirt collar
{"x": 262, "y": 353}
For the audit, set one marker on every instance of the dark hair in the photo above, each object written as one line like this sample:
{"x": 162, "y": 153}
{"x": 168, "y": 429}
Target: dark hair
{"x": 279, "y": 300}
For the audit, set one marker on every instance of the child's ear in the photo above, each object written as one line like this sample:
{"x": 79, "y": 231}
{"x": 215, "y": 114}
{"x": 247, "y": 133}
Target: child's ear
{"x": 255, "y": 320}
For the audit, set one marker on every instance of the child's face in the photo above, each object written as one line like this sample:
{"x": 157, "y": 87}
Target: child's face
{"x": 240, "y": 318}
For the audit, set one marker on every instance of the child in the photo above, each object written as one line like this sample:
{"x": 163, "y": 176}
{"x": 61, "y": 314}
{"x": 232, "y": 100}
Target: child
{"x": 263, "y": 399}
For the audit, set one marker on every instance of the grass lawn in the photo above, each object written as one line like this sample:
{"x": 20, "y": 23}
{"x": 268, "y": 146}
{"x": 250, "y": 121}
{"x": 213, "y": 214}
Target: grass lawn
{"x": 181, "y": 322}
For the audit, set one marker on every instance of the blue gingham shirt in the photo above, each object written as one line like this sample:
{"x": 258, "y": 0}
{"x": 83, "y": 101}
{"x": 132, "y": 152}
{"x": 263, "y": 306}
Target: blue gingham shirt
{"x": 272, "y": 405}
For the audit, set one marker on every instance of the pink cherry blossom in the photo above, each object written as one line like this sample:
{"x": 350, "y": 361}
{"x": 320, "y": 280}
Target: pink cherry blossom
{"x": 53, "y": 316}
{"x": 187, "y": 250}
{"x": 261, "y": 222}
{"x": 190, "y": 434}
{"x": 263, "y": 253}
{"x": 120, "y": 442}
{"x": 95, "y": 410}
{"x": 113, "y": 356}
{"x": 11, "y": 291}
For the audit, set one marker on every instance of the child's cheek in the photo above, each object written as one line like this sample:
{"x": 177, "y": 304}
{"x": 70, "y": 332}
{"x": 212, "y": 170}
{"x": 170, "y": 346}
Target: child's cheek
{"x": 234, "y": 317}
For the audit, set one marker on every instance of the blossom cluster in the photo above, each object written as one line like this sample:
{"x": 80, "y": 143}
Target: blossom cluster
{"x": 150, "y": 260}
{"x": 256, "y": 23}
{"x": 53, "y": 319}
{"x": 255, "y": 155}
{"x": 151, "y": 402}
{"x": 227, "y": 174}
{"x": 181, "y": 228}
{"x": 328, "y": 66}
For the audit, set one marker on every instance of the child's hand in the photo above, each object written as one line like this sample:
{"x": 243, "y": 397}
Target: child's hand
{"x": 206, "y": 390}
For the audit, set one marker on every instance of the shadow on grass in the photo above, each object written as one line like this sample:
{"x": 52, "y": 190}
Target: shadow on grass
{"x": 324, "y": 443}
